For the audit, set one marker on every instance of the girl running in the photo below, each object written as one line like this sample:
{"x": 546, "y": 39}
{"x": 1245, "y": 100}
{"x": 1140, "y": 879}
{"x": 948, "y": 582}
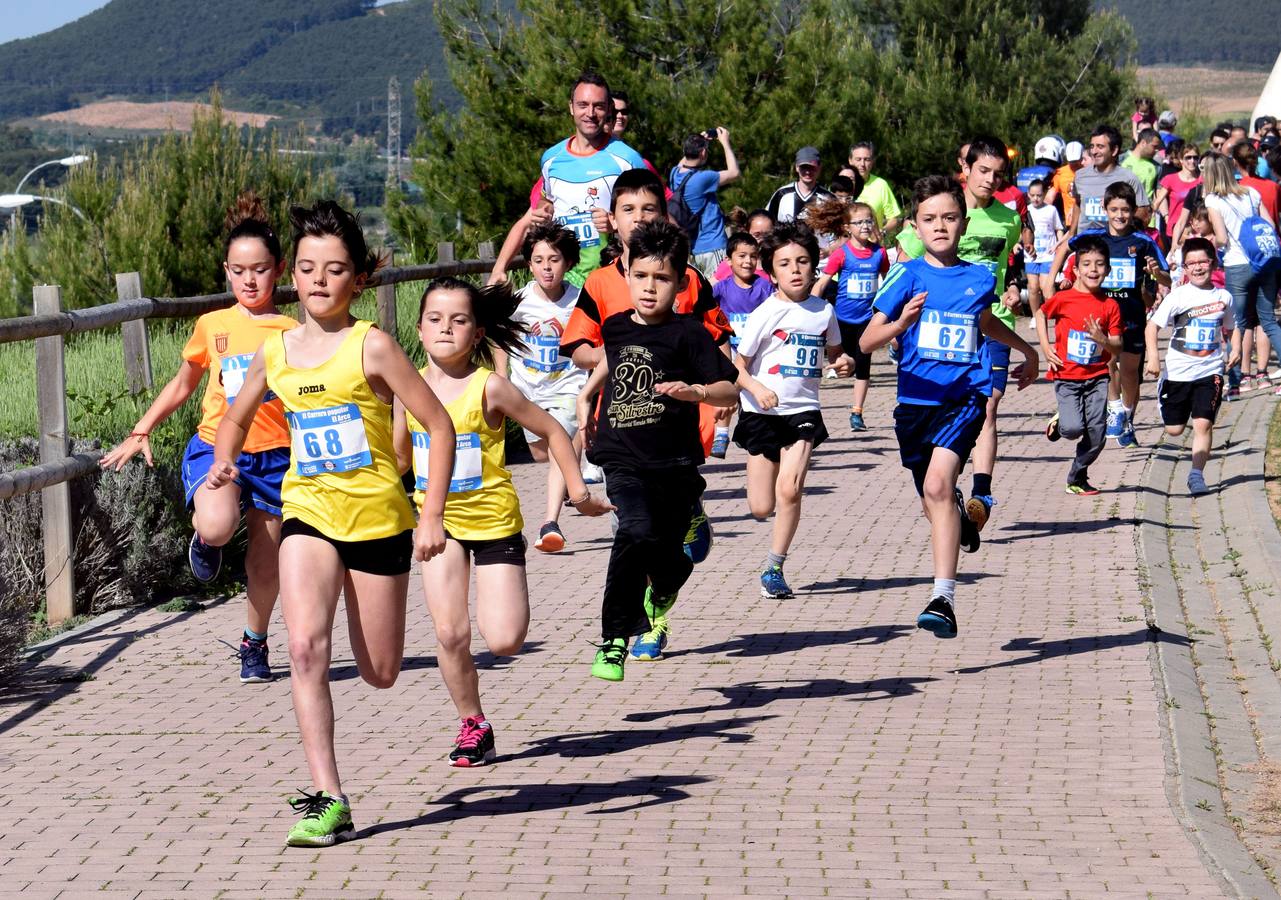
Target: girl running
{"x": 348, "y": 526}
{"x": 224, "y": 342}
{"x": 460, "y": 327}
{"x": 857, "y": 265}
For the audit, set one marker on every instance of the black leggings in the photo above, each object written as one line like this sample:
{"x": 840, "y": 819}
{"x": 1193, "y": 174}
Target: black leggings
{"x": 850, "y": 335}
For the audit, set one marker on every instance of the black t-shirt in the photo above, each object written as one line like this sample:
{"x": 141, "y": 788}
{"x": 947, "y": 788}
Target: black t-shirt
{"x": 636, "y": 428}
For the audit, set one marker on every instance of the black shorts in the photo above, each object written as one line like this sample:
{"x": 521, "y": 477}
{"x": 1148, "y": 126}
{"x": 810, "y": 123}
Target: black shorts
{"x": 764, "y": 435}
{"x": 1133, "y": 339}
{"x": 850, "y": 335}
{"x": 1183, "y": 400}
{"x": 953, "y": 425}
{"x": 381, "y": 556}
{"x": 1134, "y": 320}
{"x": 508, "y": 550}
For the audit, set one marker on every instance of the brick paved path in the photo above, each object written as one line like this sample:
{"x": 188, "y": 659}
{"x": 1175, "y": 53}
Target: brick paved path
{"x": 813, "y": 746}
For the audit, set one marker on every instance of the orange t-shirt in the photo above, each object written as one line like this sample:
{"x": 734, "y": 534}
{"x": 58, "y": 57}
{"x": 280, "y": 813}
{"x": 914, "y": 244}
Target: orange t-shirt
{"x": 1062, "y": 181}
{"x": 224, "y": 342}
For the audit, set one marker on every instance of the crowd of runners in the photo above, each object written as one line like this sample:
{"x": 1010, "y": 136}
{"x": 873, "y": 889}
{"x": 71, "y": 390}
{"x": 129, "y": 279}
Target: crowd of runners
{"x": 657, "y": 329}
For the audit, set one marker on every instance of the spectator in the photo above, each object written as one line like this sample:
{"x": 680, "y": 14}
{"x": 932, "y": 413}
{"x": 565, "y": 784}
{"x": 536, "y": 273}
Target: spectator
{"x": 1144, "y": 116}
{"x": 876, "y": 192}
{"x": 1140, "y": 159}
{"x": 790, "y": 200}
{"x": 1061, "y": 182}
{"x": 1174, "y": 188}
{"x": 1247, "y": 162}
{"x": 1048, "y": 154}
{"x": 843, "y": 187}
{"x": 1165, "y": 125}
{"x": 697, "y": 186}
{"x": 1219, "y": 136}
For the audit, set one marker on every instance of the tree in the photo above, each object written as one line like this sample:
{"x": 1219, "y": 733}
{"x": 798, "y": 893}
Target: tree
{"x": 915, "y": 76}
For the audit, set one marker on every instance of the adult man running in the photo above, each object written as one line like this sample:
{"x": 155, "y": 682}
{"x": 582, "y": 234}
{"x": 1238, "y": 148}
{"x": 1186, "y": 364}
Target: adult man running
{"x": 877, "y": 192}
{"x": 790, "y": 200}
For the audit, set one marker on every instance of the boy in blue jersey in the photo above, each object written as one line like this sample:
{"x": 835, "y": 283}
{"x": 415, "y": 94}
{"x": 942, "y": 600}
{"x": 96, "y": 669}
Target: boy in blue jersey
{"x": 940, "y": 309}
{"x": 1134, "y": 255}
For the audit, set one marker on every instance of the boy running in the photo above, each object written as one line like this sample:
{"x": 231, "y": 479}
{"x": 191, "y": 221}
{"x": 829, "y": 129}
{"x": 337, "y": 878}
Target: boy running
{"x": 745, "y": 289}
{"x": 940, "y": 308}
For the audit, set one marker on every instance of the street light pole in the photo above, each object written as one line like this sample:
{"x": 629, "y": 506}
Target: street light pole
{"x": 67, "y": 161}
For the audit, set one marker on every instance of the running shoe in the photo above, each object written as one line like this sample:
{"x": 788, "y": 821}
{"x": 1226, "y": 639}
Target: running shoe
{"x": 774, "y": 585}
{"x": 1277, "y": 392}
{"x": 1081, "y": 489}
{"x": 1115, "y": 425}
{"x": 658, "y": 607}
{"x": 857, "y": 423}
{"x": 969, "y": 532}
{"x": 979, "y": 509}
{"x": 720, "y": 444}
{"x": 1262, "y": 381}
{"x": 205, "y": 560}
{"x": 893, "y": 353}
{"x": 1052, "y": 428}
{"x": 1127, "y": 438}
{"x": 829, "y": 374}
{"x": 550, "y": 540}
{"x": 608, "y": 665}
{"x": 474, "y": 745}
{"x": 254, "y": 668}
{"x": 592, "y": 474}
{"x": 698, "y": 539}
{"x": 325, "y": 821}
{"x": 1234, "y": 393}
{"x": 1196, "y": 484}
{"x": 650, "y": 645}
{"x": 938, "y": 618}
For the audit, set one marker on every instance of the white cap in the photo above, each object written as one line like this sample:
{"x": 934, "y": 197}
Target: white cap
{"x": 1049, "y": 147}
{"x": 1074, "y": 151}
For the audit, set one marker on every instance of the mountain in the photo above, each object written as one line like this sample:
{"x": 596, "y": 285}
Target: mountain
{"x": 1240, "y": 33}
{"x": 327, "y": 60}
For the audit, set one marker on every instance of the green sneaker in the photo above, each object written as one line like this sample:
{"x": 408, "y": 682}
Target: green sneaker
{"x": 609, "y": 660}
{"x": 658, "y": 607}
{"x": 325, "y": 821}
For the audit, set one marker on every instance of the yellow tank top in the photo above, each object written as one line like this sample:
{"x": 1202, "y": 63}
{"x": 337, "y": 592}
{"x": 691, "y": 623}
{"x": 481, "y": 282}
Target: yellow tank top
{"x": 342, "y": 478}
{"x": 482, "y": 504}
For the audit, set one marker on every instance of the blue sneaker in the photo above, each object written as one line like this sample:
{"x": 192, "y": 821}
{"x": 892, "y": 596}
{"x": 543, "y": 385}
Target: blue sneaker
{"x": 1116, "y": 424}
{"x": 253, "y": 662}
{"x": 938, "y": 618}
{"x": 1127, "y": 438}
{"x": 856, "y": 422}
{"x": 893, "y": 352}
{"x": 720, "y": 444}
{"x": 774, "y": 585}
{"x": 1196, "y": 484}
{"x": 205, "y": 560}
{"x": 650, "y": 645}
{"x": 698, "y": 539}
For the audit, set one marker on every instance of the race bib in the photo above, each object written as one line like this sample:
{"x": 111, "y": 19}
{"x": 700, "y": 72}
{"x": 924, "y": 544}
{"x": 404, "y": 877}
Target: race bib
{"x": 234, "y": 369}
{"x": 947, "y": 336}
{"x": 1043, "y": 245}
{"x": 737, "y": 321}
{"x": 329, "y": 440}
{"x": 1092, "y": 210}
{"x": 808, "y": 349}
{"x": 1122, "y": 274}
{"x": 467, "y": 460}
{"x": 1083, "y": 349}
{"x": 581, "y": 224}
{"x": 545, "y": 354}
{"x": 860, "y": 286}
{"x": 1201, "y": 334}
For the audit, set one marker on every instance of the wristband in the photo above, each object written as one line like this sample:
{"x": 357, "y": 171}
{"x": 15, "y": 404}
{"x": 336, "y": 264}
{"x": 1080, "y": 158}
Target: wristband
{"x": 583, "y": 499}
{"x": 141, "y": 434}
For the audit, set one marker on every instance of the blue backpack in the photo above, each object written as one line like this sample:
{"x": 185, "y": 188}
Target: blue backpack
{"x": 1260, "y": 244}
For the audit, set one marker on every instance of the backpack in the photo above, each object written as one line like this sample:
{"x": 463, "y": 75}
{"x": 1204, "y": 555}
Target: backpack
{"x": 686, "y": 219}
{"x": 1259, "y": 243}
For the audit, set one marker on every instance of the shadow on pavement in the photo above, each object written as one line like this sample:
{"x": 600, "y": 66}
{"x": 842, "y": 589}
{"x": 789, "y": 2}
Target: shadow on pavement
{"x": 506, "y": 799}
{"x": 484, "y": 660}
{"x": 863, "y": 583}
{"x": 1074, "y": 646}
{"x": 603, "y": 743}
{"x": 771, "y": 642}
{"x": 756, "y": 694}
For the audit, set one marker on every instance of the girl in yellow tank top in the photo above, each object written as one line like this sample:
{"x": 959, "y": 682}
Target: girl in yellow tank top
{"x": 348, "y": 527}
{"x": 460, "y": 325}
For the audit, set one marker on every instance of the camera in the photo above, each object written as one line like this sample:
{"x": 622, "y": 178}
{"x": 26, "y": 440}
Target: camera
{"x": 710, "y": 133}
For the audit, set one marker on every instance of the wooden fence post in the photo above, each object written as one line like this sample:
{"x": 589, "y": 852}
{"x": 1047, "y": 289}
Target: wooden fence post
{"x": 134, "y": 334}
{"x": 51, "y": 399}
{"x": 485, "y": 251}
{"x": 386, "y": 295}
{"x": 445, "y": 252}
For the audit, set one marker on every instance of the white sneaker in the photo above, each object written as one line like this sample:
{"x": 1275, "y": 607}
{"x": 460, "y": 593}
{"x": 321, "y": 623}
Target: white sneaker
{"x": 592, "y": 474}
{"x": 830, "y": 373}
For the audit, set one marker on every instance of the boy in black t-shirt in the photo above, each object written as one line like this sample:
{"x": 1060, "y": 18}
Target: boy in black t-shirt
{"x": 658, "y": 367}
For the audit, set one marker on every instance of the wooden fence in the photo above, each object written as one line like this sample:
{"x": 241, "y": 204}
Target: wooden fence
{"x": 47, "y": 327}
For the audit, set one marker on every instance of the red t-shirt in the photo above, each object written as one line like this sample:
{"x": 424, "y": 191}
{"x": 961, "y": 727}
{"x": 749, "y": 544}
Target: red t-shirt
{"x": 1083, "y": 359}
{"x": 1267, "y": 193}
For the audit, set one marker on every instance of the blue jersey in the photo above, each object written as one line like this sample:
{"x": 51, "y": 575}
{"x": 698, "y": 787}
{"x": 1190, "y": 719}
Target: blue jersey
{"x": 578, "y": 184}
{"x": 856, "y": 283}
{"x": 1128, "y": 256}
{"x": 1029, "y": 174}
{"x": 943, "y": 356}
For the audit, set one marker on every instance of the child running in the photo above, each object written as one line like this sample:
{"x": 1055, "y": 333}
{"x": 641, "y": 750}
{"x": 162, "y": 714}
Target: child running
{"x": 940, "y": 309}
{"x": 460, "y": 326}
{"x": 858, "y": 265}
{"x": 781, "y": 353}
{"x": 537, "y": 369}
{"x": 1192, "y": 387}
{"x": 745, "y": 289}
{"x": 658, "y": 367}
{"x": 1047, "y": 231}
{"x": 1087, "y": 335}
{"x": 348, "y": 527}
{"x": 224, "y": 342}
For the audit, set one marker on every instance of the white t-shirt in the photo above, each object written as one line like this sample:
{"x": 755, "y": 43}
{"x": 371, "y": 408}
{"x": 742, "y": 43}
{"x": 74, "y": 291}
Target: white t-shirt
{"x": 539, "y": 371}
{"x": 1046, "y": 223}
{"x": 1234, "y": 210}
{"x": 1198, "y": 317}
{"x": 787, "y": 344}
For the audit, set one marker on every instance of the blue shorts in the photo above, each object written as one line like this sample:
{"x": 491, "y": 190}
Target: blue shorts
{"x": 260, "y": 474}
{"x": 1000, "y": 356}
{"x": 1037, "y": 268}
{"x": 953, "y": 425}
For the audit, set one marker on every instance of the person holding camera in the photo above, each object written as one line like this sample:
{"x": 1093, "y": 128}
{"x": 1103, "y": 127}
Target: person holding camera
{"x": 696, "y": 186}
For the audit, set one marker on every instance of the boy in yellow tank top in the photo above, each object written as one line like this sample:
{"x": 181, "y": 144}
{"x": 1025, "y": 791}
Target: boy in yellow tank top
{"x": 223, "y": 343}
{"x": 460, "y": 326}
{"x": 348, "y": 527}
